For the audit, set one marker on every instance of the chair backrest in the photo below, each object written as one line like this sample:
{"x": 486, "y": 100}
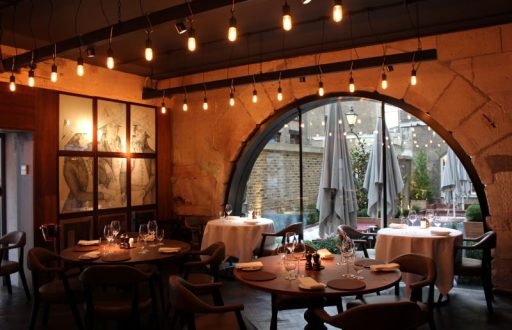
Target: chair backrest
{"x": 183, "y": 299}
{"x": 40, "y": 260}
{"x": 215, "y": 253}
{"x": 114, "y": 275}
{"x": 422, "y": 265}
{"x": 293, "y": 228}
{"x": 350, "y": 232}
{"x": 384, "y": 316}
{"x": 18, "y": 239}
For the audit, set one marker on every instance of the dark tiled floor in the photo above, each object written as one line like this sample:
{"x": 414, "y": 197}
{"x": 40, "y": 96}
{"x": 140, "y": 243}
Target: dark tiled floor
{"x": 465, "y": 310}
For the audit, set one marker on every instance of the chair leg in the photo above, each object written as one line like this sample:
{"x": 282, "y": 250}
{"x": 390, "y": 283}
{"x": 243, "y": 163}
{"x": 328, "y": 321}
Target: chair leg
{"x": 76, "y": 315}
{"x": 273, "y": 318}
{"x": 240, "y": 320}
{"x": 487, "y": 284}
{"x": 8, "y": 283}
{"x": 339, "y": 305}
{"x": 46, "y": 313}
{"x": 24, "y": 282}
{"x": 33, "y": 315}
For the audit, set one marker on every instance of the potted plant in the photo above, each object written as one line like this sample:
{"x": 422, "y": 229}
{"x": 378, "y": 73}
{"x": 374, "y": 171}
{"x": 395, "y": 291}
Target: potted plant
{"x": 473, "y": 225}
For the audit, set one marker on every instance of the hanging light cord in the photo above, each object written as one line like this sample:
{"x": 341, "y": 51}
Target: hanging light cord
{"x": 14, "y": 38}
{"x": 104, "y": 13}
{"x": 150, "y": 26}
{"x": 50, "y": 21}
{"x": 110, "y": 37}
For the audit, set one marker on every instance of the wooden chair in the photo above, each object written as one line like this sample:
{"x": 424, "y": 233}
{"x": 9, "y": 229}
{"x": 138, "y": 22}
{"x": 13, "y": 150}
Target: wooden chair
{"x": 186, "y": 305}
{"x": 267, "y": 251}
{"x": 58, "y": 289}
{"x": 13, "y": 240}
{"x": 360, "y": 239}
{"x": 196, "y": 226}
{"x": 402, "y": 315}
{"x": 207, "y": 262}
{"x": 416, "y": 264}
{"x": 481, "y": 268}
{"x": 116, "y": 292}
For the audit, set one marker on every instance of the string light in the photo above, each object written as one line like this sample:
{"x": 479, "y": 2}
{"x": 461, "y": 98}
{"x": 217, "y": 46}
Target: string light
{"x": 413, "y": 77}
{"x": 321, "y": 89}
{"x": 148, "y": 51}
{"x": 232, "y": 31}
{"x": 191, "y": 43}
{"x": 53, "y": 75}
{"x": 205, "y": 103}
{"x": 287, "y": 18}
{"x": 185, "y": 105}
{"x": 337, "y": 11}
{"x": 80, "y": 65}
{"x": 31, "y": 77}
{"x": 163, "y": 109}
{"x": 279, "y": 90}
{"x": 12, "y": 82}
{"x": 110, "y": 52}
{"x": 231, "y": 97}
{"x": 384, "y": 82}
{"x": 254, "y": 91}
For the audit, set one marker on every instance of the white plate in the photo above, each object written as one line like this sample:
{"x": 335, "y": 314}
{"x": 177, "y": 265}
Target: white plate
{"x": 440, "y": 232}
{"x": 314, "y": 289}
{"x": 251, "y": 222}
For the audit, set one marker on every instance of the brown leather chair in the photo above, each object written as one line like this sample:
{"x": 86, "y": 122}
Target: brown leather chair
{"x": 207, "y": 262}
{"x": 186, "y": 305}
{"x": 196, "y": 226}
{"x": 362, "y": 240}
{"x": 402, "y": 315}
{"x": 57, "y": 287}
{"x": 416, "y": 264}
{"x": 262, "y": 251}
{"x": 116, "y": 292}
{"x": 13, "y": 240}
{"x": 481, "y": 268}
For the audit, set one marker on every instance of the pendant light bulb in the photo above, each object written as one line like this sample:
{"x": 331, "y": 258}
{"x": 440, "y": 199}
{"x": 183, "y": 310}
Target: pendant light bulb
{"x": 53, "y": 75}
{"x": 185, "y": 105}
{"x": 232, "y": 31}
{"x": 321, "y": 91}
{"x": 414, "y": 80}
{"x": 12, "y": 83}
{"x": 148, "y": 51}
{"x": 80, "y": 66}
{"x": 191, "y": 43}
{"x": 232, "y": 99}
{"x": 279, "y": 94}
{"x": 337, "y": 11}
{"x": 31, "y": 78}
{"x": 205, "y": 103}
{"x": 287, "y": 18}
{"x": 254, "y": 96}
{"x": 163, "y": 109}
{"x": 351, "y": 85}
{"x": 110, "y": 59}
{"x": 384, "y": 82}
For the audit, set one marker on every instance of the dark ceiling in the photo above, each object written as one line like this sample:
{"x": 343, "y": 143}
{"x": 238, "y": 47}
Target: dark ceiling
{"x": 259, "y": 24}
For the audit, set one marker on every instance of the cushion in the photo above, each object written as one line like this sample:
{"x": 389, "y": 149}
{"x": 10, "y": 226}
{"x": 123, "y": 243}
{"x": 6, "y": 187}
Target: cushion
{"x": 118, "y": 305}
{"x": 53, "y": 292}
{"x": 9, "y": 267}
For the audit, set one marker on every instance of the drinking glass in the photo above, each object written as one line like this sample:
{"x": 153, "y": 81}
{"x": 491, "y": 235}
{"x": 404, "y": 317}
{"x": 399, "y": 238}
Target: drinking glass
{"x": 437, "y": 220}
{"x": 290, "y": 264}
{"x": 347, "y": 253}
{"x": 116, "y": 228}
{"x": 109, "y": 236}
{"x": 152, "y": 228}
{"x": 289, "y": 240}
{"x": 143, "y": 232}
{"x": 282, "y": 251}
{"x": 228, "y": 210}
{"x": 160, "y": 234}
{"x": 430, "y": 216}
{"x": 412, "y": 217}
{"x": 299, "y": 249}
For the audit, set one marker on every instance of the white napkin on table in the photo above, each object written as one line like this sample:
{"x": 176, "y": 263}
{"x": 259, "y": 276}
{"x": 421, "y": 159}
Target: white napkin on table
{"x": 310, "y": 283}
{"x": 254, "y": 265}
{"x": 86, "y": 242}
{"x": 384, "y": 267}
{"x": 169, "y": 249}
{"x": 325, "y": 254}
{"x": 398, "y": 225}
{"x": 89, "y": 255}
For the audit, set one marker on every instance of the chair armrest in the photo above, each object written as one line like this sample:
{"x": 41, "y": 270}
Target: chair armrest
{"x": 226, "y": 308}
{"x": 419, "y": 284}
{"x": 203, "y": 288}
{"x": 195, "y": 264}
{"x": 322, "y": 315}
{"x": 362, "y": 241}
{"x": 8, "y": 247}
{"x": 468, "y": 247}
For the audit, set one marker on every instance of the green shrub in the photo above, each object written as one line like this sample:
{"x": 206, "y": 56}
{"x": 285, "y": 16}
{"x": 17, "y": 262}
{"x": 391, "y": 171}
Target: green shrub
{"x": 420, "y": 184}
{"x": 473, "y": 213}
{"x": 328, "y": 243}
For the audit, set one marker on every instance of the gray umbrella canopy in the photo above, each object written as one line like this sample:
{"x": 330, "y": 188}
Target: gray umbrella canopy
{"x": 337, "y": 201}
{"x": 373, "y": 180}
{"x": 455, "y": 182}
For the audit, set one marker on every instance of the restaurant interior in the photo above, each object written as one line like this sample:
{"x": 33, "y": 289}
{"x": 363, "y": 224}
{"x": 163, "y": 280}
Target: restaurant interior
{"x": 253, "y": 164}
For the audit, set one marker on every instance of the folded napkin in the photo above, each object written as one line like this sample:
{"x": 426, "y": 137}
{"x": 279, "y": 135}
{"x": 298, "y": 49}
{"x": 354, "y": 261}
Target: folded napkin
{"x": 397, "y": 225}
{"x": 255, "y": 265}
{"x": 325, "y": 254}
{"x": 439, "y": 231}
{"x": 251, "y": 222}
{"x": 309, "y": 283}
{"x": 89, "y": 255}
{"x": 385, "y": 267}
{"x": 169, "y": 249}
{"x": 86, "y": 242}
{"x": 149, "y": 238}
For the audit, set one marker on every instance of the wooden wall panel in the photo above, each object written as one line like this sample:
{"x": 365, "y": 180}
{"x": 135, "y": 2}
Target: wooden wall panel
{"x": 17, "y": 109}
{"x": 164, "y": 160}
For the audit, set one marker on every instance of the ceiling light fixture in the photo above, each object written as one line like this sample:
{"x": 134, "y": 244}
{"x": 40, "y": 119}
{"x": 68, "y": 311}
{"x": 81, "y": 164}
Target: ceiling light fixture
{"x": 321, "y": 90}
{"x": 110, "y": 52}
{"x": 180, "y": 27}
{"x": 337, "y": 11}
{"x": 287, "y": 18}
{"x": 148, "y": 51}
{"x": 384, "y": 81}
{"x": 414, "y": 80}
{"x": 53, "y": 75}
{"x": 232, "y": 30}
{"x": 305, "y": 2}
{"x": 163, "y": 109}
{"x": 351, "y": 84}
{"x": 232, "y": 95}
{"x": 80, "y": 64}
{"x": 91, "y": 51}
{"x": 12, "y": 80}
{"x": 254, "y": 91}
{"x": 185, "y": 105}
{"x": 191, "y": 42}
{"x": 31, "y": 77}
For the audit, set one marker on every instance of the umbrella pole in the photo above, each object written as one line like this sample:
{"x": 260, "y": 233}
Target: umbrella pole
{"x": 384, "y": 170}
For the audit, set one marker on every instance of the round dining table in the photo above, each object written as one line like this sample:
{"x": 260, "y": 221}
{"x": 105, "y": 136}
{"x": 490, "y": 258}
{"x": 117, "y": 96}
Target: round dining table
{"x": 240, "y": 235}
{"x": 392, "y": 243}
{"x": 130, "y": 256}
{"x": 374, "y": 281}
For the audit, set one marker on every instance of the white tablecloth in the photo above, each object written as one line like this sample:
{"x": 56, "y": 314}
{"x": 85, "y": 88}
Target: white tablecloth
{"x": 240, "y": 238}
{"x": 392, "y": 243}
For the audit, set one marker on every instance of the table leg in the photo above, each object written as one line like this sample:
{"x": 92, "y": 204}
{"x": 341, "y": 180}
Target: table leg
{"x": 314, "y": 323}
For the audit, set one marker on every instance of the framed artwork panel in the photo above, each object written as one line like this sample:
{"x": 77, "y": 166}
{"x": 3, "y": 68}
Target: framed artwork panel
{"x": 111, "y": 126}
{"x": 142, "y": 129}
{"x": 73, "y": 230}
{"x": 75, "y": 123}
{"x": 75, "y": 184}
{"x": 111, "y": 182}
{"x": 106, "y": 219}
{"x": 143, "y": 181}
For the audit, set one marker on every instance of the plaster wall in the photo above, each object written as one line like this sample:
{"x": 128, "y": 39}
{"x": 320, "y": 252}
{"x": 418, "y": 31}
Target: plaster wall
{"x": 467, "y": 90}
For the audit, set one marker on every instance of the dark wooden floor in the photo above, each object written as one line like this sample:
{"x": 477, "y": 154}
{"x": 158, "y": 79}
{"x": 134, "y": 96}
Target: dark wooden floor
{"x": 465, "y": 310}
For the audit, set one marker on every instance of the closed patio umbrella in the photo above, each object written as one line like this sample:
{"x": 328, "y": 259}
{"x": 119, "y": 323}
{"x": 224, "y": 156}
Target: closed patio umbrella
{"x": 337, "y": 201}
{"x": 374, "y": 176}
{"x": 455, "y": 182}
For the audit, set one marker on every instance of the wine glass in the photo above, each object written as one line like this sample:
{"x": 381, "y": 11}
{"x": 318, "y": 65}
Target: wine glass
{"x": 116, "y": 228}
{"x": 281, "y": 251}
{"x": 143, "y": 232}
{"x": 289, "y": 241}
{"x": 109, "y": 236}
{"x": 430, "y": 216}
{"x": 152, "y": 229}
{"x": 160, "y": 236}
{"x": 437, "y": 220}
{"x": 299, "y": 249}
{"x": 290, "y": 264}
{"x": 413, "y": 217}
{"x": 228, "y": 208}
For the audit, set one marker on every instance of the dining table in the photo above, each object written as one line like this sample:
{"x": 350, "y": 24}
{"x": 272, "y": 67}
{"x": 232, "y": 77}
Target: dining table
{"x": 240, "y": 235}
{"x": 437, "y": 243}
{"x": 332, "y": 270}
